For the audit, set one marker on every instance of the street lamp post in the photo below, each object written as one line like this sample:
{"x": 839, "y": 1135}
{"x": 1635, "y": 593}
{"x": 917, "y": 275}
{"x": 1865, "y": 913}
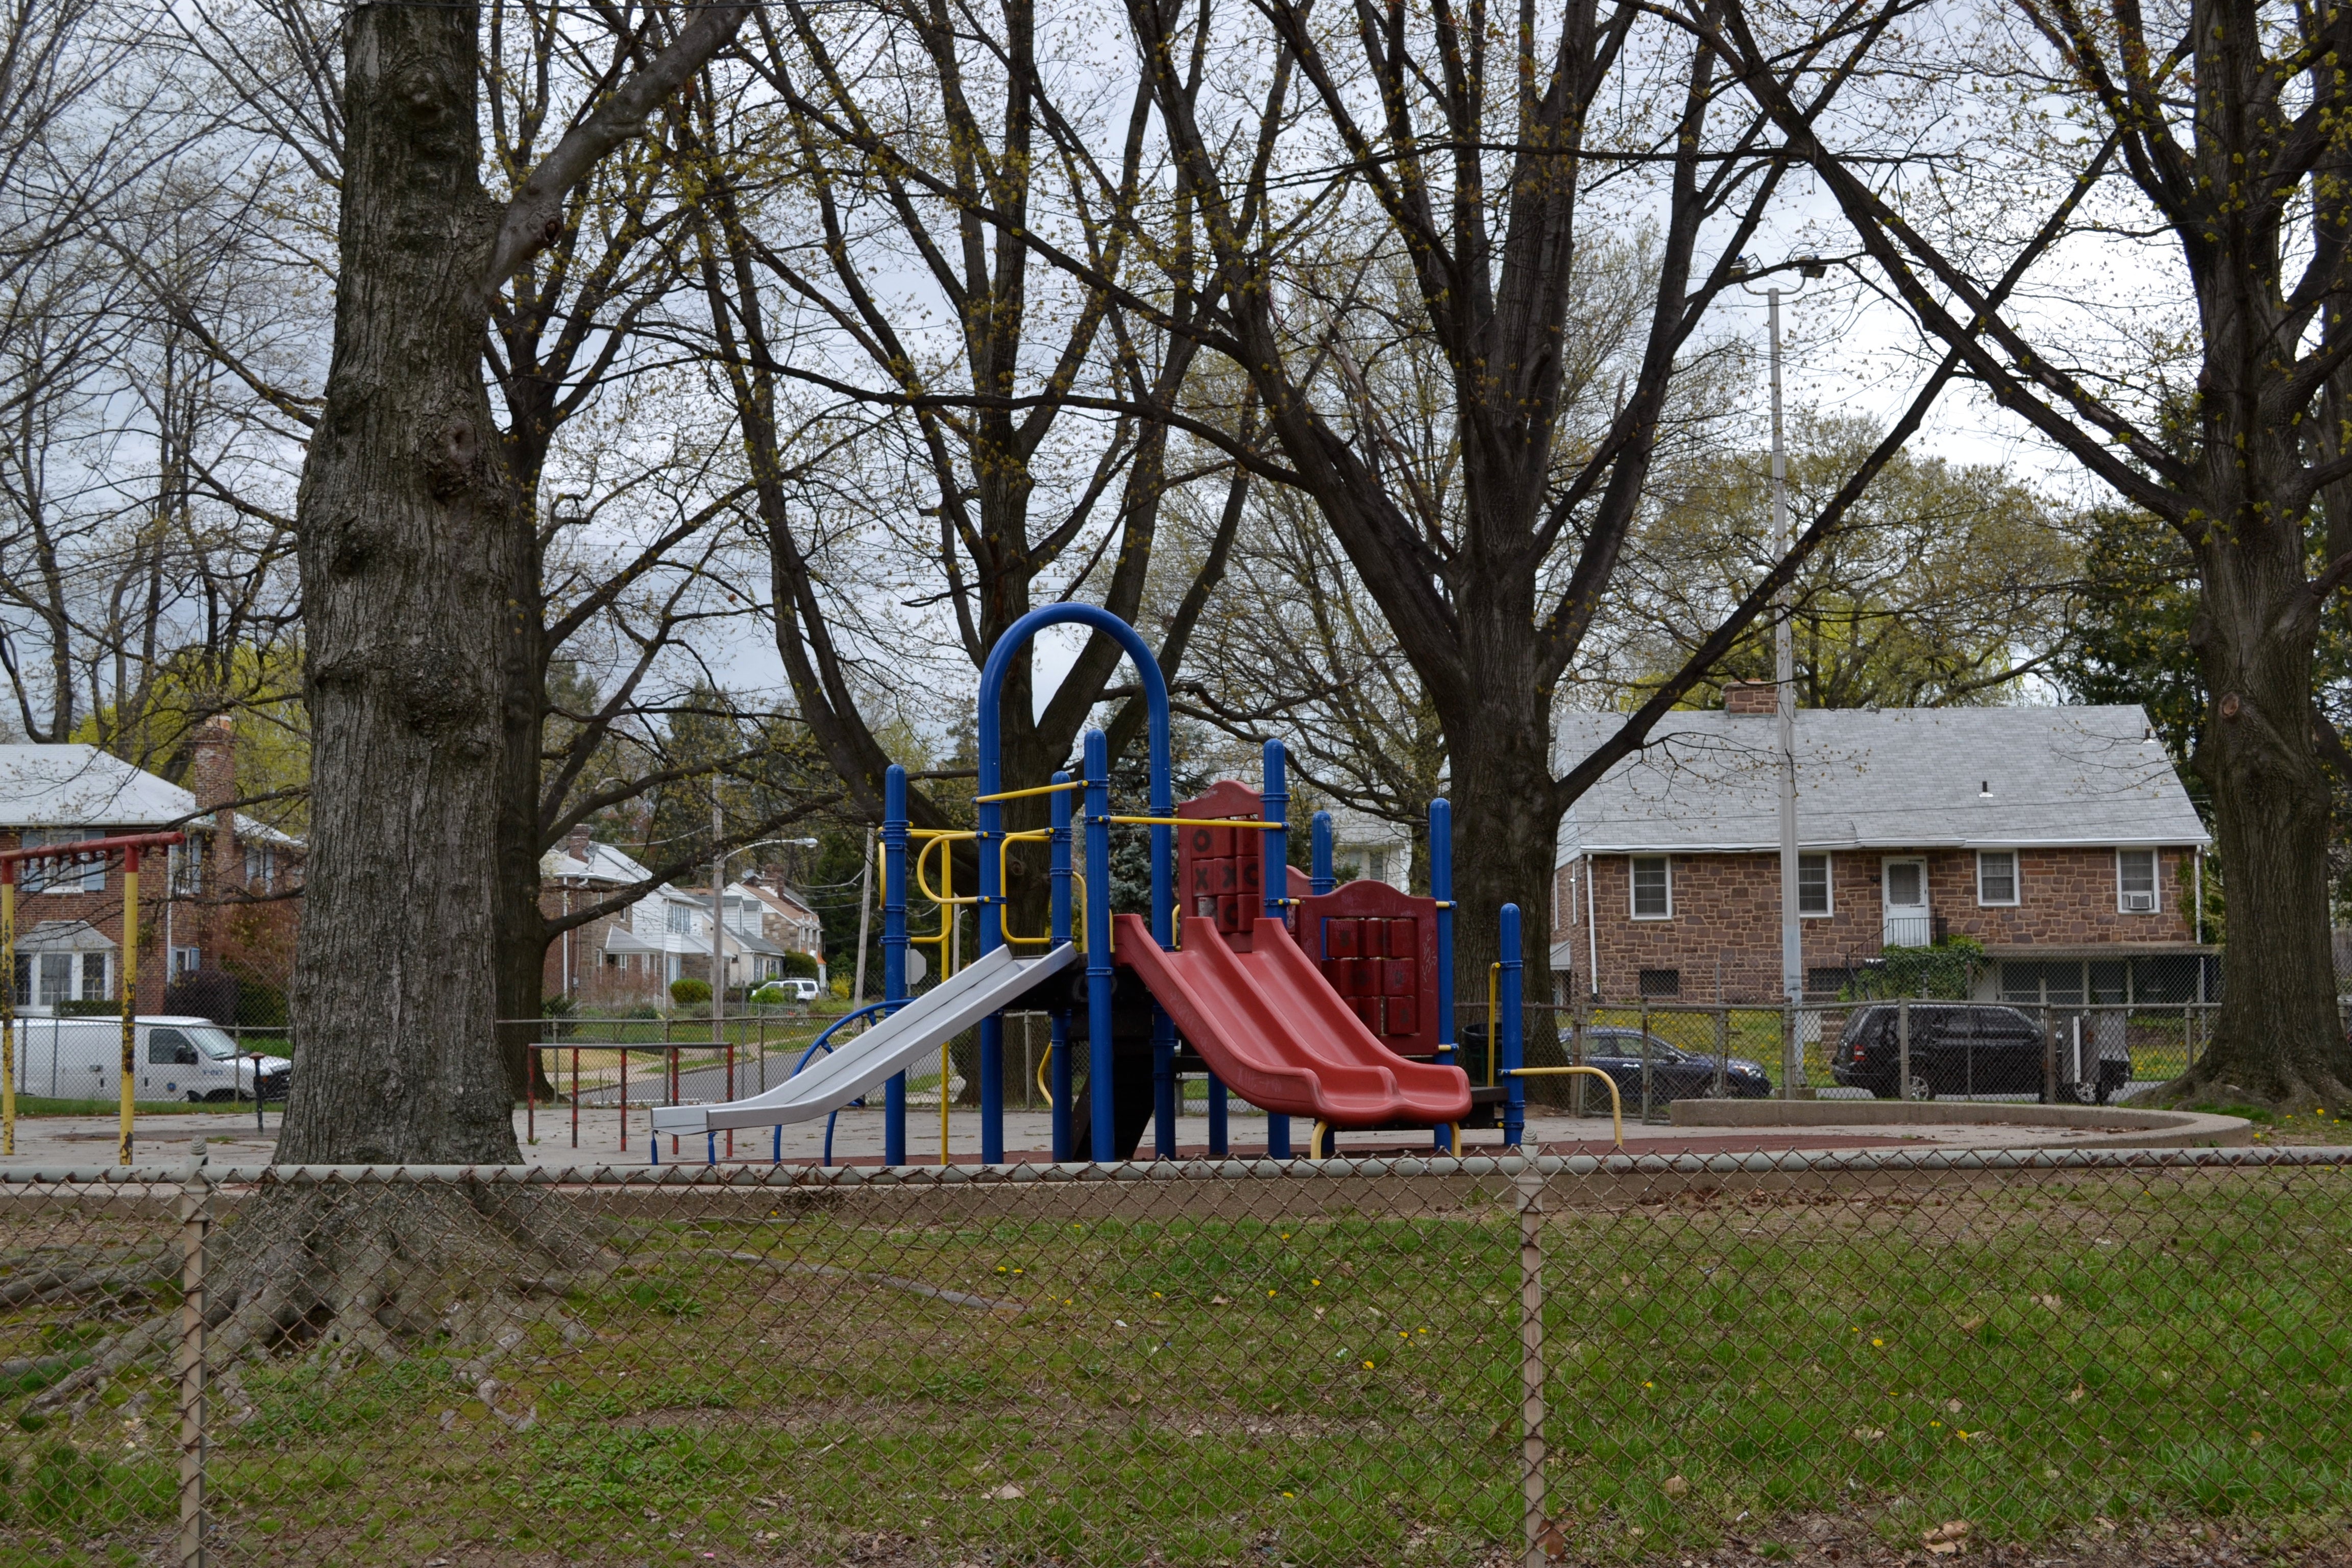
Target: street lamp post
{"x": 1784, "y": 677}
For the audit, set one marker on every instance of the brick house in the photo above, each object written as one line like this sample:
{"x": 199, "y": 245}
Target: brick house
{"x": 222, "y": 901}
{"x": 628, "y": 957}
{"x": 2059, "y": 837}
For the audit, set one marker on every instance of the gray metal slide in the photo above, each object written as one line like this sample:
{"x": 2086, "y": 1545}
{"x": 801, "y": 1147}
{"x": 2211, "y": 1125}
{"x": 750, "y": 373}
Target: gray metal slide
{"x": 891, "y": 1046}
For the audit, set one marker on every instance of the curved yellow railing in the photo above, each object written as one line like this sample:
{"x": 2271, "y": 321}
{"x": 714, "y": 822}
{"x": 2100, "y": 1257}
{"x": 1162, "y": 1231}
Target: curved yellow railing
{"x": 1616, "y": 1100}
{"x": 1044, "y": 1080}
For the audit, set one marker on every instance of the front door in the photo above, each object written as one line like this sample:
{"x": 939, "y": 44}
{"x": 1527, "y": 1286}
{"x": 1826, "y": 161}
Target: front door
{"x": 1904, "y": 896}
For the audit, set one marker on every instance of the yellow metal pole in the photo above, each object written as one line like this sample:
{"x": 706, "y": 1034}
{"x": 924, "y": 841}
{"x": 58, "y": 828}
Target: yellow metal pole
{"x": 130, "y": 995}
{"x": 947, "y": 913}
{"x": 9, "y": 1009}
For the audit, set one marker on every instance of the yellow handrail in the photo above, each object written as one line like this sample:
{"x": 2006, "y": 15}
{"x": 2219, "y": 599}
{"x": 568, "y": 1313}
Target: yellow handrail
{"x": 1045, "y": 1083}
{"x": 1025, "y": 794}
{"x": 1616, "y": 1101}
{"x": 923, "y": 883}
{"x": 1493, "y": 1016}
{"x": 1196, "y": 822}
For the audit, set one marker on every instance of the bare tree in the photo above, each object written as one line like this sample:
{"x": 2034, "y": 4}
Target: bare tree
{"x": 930, "y": 143}
{"x": 1478, "y": 167}
{"x": 410, "y": 557}
{"x": 2216, "y": 132}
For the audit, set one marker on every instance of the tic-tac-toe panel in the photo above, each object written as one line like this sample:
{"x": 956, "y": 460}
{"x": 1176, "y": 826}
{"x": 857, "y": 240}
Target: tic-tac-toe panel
{"x": 1221, "y": 870}
{"x": 1378, "y": 948}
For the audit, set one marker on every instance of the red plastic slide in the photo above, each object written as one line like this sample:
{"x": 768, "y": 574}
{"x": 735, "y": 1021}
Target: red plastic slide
{"x": 1272, "y": 1028}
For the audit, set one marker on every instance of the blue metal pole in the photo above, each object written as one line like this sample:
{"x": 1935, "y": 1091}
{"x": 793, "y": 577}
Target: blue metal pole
{"x": 1060, "y": 928}
{"x": 1318, "y": 854}
{"x": 894, "y": 949}
{"x": 1163, "y": 930}
{"x": 992, "y": 676}
{"x": 1509, "y": 1026}
{"x": 1274, "y": 794}
{"x": 1441, "y": 888}
{"x": 1104, "y": 1126}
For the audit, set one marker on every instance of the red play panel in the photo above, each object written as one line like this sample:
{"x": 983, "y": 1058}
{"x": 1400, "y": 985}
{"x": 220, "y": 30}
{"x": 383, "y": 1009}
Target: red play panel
{"x": 1377, "y": 947}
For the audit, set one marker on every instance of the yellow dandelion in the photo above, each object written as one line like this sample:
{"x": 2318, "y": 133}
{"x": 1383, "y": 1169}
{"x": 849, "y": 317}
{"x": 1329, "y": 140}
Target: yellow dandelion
{"x": 1881, "y": 1344}
{"x": 1649, "y": 1385}
{"x": 1368, "y": 1367}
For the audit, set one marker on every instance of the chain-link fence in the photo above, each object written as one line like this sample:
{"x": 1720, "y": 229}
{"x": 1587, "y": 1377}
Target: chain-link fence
{"x": 1406, "y": 1361}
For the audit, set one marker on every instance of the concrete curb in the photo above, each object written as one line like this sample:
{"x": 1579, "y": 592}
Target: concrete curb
{"x": 2130, "y": 1128}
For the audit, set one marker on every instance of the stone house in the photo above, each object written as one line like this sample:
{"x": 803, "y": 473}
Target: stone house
{"x": 786, "y": 918}
{"x": 2059, "y": 837}
{"x": 226, "y": 900}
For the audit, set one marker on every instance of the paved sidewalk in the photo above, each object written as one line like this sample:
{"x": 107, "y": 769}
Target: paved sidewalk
{"x": 857, "y": 1138}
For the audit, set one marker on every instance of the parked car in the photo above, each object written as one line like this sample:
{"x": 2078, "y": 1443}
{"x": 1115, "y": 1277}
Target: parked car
{"x": 176, "y": 1058}
{"x": 1675, "y": 1073}
{"x": 1973, "y": 1047}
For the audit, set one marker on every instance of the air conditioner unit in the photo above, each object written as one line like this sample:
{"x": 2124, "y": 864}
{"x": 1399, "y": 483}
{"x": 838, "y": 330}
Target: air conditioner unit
{"x": 2140, "y": 904}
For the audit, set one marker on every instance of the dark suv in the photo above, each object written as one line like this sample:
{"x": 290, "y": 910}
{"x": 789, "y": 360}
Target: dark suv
{"x": 1970, "y": 1048}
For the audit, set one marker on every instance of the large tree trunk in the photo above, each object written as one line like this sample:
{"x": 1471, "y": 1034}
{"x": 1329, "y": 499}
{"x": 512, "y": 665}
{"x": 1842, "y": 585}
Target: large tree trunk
{"x": 2278, "y": 1039}
{"x": 408, "y": 547}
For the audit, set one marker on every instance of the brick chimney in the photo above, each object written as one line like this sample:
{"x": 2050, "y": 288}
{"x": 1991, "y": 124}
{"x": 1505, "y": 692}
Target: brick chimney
{"x": 576, "y": 842}
{"x": 1751, "y": 697}
{"x": 212, "y": 763}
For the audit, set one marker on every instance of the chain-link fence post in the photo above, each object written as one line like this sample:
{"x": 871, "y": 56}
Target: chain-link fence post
{"x": 1527, "y": 1192}
{"x": 1790, "y": 1070}
{"x": 1903, "y": 1049}
{"x": 194, "y": 1212}
{"x": 2049, "y": 1061}
{"x": 1722, "y": 1051}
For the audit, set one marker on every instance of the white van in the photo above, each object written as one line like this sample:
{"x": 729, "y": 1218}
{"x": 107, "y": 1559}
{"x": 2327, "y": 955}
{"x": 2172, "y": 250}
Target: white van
{"x": 176, "y": 1058}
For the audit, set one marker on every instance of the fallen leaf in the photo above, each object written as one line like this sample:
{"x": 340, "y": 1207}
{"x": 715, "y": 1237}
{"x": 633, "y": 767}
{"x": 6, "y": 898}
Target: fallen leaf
{"x": 1677, "y": 1486}
{"x": 1553, "y": 1544}
{"x": 1219, "y": 1301}
{"x": 2078, "y": 1395}
{"x": 1971, "y": 1325}
{"x": 2052, "y": 1303}
{"x": 1008, "y": 1492}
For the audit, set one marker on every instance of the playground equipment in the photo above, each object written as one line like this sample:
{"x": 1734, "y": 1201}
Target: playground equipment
{"x": 1308, "y": 1001}
{"x": 131, "y": 844}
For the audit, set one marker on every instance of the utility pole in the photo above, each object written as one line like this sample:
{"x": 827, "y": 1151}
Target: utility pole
{"x": 1784, "y": 676}
{"x": 717, "y": 919}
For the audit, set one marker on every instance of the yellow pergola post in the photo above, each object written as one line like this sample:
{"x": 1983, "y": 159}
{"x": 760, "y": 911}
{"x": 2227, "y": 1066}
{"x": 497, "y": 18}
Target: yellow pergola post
{"x": 131, "y": 997}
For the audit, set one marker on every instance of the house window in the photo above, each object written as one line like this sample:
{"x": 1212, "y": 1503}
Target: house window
{"x": 681, "y": 920}
{"x": 67, "y": 874}
{"x": 1812, "y": 884}
{"x": 1660, "y": 982}
{"x": 1996, "y": 877}
{"x": 187, "y": 868}
{"x": 1653, "y": 887}
{"x": 1376, "y": 865}
{"x": 2135, "y": 882}
{"x": 187, "y": 960}
{"x": 93, "y": 977}
{"x": 260, "y": 868}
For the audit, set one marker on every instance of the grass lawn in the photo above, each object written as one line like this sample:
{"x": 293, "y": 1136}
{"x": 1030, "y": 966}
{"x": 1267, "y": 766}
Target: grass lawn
{"x": 1321, "y": 1383}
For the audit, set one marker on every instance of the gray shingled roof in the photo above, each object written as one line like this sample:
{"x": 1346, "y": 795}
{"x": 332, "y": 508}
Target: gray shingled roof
{"x": 1909, "y": 778}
